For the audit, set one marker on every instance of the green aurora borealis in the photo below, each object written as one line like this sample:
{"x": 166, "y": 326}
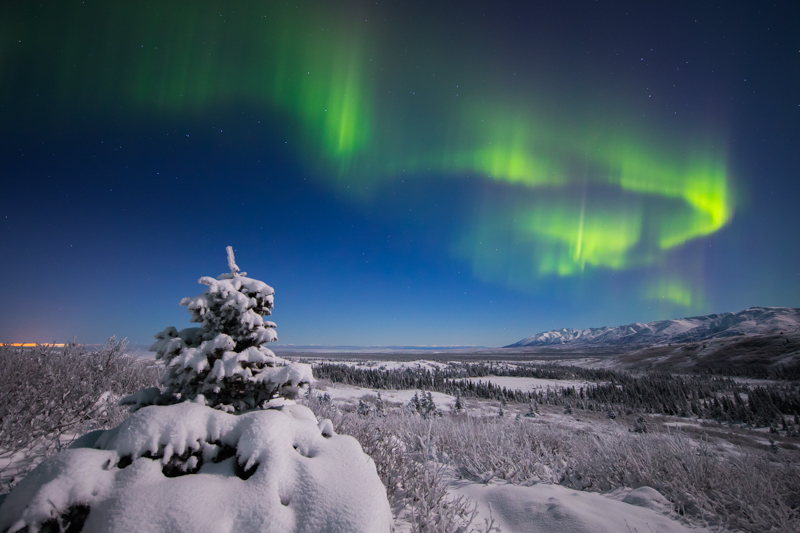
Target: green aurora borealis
{"x": 576, "y": 187}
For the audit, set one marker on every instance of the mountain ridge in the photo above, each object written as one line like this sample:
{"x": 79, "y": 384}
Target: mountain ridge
{"x": 752, "y": 321}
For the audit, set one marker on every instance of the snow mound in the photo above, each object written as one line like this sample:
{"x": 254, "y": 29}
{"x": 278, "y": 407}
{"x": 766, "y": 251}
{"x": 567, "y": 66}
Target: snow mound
{"x": 190, "y": 468}
{"x": 646, "y": 497}
{"x": 555, "y": 509}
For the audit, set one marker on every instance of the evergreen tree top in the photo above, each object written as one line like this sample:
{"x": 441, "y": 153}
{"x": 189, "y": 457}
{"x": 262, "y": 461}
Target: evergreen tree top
{"x": 235, "y": 305}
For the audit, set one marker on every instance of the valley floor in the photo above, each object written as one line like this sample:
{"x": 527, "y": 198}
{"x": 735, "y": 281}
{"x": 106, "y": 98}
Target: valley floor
{"x": 575, "y": 470}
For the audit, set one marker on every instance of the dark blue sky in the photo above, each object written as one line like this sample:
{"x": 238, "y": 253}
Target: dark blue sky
{"x": 411, "y": 173}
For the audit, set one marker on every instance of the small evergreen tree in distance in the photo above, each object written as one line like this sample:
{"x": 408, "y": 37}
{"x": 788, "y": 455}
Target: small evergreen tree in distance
{"x": 364, "y": 408}
{"x": 415, "y": 405}
{"x": 225, "y": 359}
{"x": 380, "y": 408}
{"x": 459, "y": 403}
{"x": 428, "y": 406}
{"x": 423, "y": 405}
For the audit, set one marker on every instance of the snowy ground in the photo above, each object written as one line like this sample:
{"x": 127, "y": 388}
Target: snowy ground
{"x": 531, "y": 384}
{"x": 555, "y": 509}
{"x": 419, "y": 364}
{"x": 350, "y": 395}
{"x": 545, "y": 508}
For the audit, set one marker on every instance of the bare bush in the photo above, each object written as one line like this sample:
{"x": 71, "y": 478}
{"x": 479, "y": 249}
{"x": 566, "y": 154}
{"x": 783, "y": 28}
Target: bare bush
{"x": 49, "y": 396}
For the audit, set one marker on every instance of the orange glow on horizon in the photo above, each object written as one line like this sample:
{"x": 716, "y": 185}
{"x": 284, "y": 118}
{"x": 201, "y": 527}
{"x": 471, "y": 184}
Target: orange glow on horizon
{"x": 30, "y": 344}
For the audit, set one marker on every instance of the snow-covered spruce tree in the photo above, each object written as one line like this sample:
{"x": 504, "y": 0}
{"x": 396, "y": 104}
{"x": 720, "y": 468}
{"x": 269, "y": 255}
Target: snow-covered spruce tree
{"x": 183, "y": 466}
{"x": 380, "y": 407}
{"x": 225, "y": 359}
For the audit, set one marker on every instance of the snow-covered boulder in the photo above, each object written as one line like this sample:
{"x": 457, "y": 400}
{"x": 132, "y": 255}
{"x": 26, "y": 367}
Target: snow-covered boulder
{"x": 190, "y": 468}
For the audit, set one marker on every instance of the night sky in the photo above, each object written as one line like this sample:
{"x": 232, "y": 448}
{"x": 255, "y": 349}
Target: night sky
{"x": 401, "y": 172}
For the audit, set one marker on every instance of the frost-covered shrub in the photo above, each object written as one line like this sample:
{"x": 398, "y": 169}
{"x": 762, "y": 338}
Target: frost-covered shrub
{"x": 416, "y": 480}
{"x": 742, "y": 491}
{"x": 51, "y": 395}
{"x": 753, "y": 491}
{"x": 225, "y": 359}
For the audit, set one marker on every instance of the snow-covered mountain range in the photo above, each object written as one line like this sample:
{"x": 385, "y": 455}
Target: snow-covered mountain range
{"x": 753, "y": 321}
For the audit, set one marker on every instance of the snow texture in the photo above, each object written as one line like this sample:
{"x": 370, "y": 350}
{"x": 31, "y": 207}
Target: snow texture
{"x": 753, "y": 321}
{"x": 545, "y": 508}
{"x": 190, "y": 468}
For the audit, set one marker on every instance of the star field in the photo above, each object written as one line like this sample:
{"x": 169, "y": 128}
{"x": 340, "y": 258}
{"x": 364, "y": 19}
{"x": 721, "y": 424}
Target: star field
{"x": 403, "y": 173}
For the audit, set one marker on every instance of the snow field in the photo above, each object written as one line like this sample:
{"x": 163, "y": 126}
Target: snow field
{"x": 420, "y": 364}
{"x": 350, "y": 395}
{"x": 531, "y": 384}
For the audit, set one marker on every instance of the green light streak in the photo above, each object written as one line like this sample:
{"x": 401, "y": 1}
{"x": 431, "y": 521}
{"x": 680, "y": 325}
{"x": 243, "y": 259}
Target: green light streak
{"x": 346, "y": 124}
{"x": 317, "y": 76}
{"x": 507, "y": 151}
{"x": 703, "y": 185}
{"x": 573, "y": 237}
{"x": 671, "y": 291}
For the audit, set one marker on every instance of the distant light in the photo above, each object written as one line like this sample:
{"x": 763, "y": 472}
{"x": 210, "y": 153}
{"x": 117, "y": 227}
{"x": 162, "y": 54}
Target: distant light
{"x": 30, "y": 344}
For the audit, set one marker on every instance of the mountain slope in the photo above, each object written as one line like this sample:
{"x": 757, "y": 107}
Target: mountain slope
{"x": 753, "y": 321}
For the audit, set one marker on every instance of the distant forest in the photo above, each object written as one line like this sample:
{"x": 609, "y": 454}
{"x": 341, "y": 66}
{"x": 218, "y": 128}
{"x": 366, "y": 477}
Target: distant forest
{"x": 707, "y": 395}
